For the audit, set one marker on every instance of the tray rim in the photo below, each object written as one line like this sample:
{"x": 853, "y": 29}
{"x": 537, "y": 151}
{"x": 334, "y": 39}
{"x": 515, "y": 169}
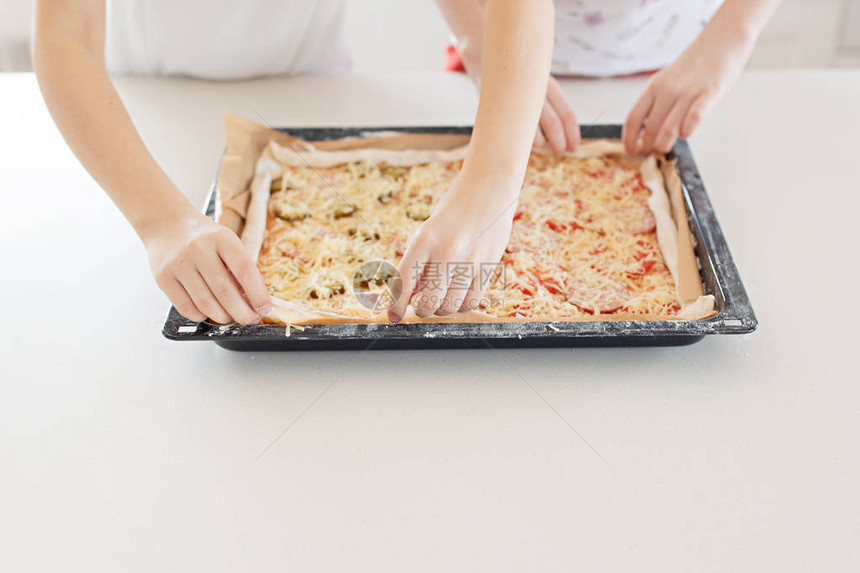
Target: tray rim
{"x": 735, "y": 314}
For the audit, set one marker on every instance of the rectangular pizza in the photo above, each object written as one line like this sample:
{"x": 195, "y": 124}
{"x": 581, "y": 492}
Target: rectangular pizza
{"x": 597, "y": 234}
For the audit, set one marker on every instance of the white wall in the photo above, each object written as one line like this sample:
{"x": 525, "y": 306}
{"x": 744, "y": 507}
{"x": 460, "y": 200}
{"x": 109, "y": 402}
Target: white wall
{"x": 802, "y": 34}
{"x": 15, "y": 18}
{"x": 395, "y": 34}
{"x": 851, "y": 32}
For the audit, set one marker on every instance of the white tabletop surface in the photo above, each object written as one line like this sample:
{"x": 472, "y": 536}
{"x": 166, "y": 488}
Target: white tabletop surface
{"x": 122, "y": 451}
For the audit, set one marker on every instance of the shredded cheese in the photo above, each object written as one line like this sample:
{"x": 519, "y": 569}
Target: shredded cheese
{"x": 583, "y": 239}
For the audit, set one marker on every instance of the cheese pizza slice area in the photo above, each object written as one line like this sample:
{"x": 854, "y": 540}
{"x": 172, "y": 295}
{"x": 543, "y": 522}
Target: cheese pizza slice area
{"x": 584, "y": 242}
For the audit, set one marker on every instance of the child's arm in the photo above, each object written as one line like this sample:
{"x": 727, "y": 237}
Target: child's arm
{"x": 472, "y": 223}
{"x": 678, "y": 97}
{"x": 558, "y": 125}
{"x": 194, "y": 259}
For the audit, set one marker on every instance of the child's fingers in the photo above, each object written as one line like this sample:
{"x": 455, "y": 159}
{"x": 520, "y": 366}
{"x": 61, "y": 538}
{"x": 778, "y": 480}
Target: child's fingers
{"x": 695, "y": 115}
{"x": 194, "y": 284}
{"x": 410, "y": 270}
{"x": 552, "y": 128}
{"x": 662, "y": 106}
{"x": 242, "y": 267}
{"x": 540, "y": 140}
{"x": 668, "y": 134}
{"x": 472, "y": 300}
{"x": 555, "y": 96}
{"x": 458, "y": 289}
{"x": 451, "y": 302}
{"x": 428, "y": 299}
{"x": 635, "y": 119}
{"x": 225, "y": 288}
{"x": 180, "y": 299}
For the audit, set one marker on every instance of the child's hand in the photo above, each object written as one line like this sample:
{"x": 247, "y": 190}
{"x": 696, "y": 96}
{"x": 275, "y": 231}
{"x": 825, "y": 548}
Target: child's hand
{"x": 469, "y": 228}
{"x": 205, "y": 271}
{"x": 677, "y": 98}
{"x": 558, "y": 124}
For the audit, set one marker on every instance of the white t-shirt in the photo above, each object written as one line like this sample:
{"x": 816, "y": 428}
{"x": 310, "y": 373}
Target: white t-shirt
{"x": 225, "y": 39}
{"x": 619, "y": 37}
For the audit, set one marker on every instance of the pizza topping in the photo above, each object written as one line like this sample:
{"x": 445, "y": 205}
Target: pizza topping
{"x": 621, "y": 216}
{"x": 277, "y": 185}
{"x": 557, "y": 227}
{"x": 282, "y": 183}
{"x": 582, "y": 240}
{"x": 364, "y": 231}
{"x": 291, "y": 211}
{"x": 636, "y": 219}
{"x": 393, "y": 172}
{"x": 362, "y": 168}
{"x": 597, "y": 294}
{"x": 343, "y": 210}
{"x": 325, "y": 285}
{"x": 385, "y": 196}
{"x": 419, "y": 210}
{"x": 552, "y": 286}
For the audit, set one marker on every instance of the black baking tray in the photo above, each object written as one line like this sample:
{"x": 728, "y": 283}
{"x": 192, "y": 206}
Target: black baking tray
{"x": 719, "y": 276}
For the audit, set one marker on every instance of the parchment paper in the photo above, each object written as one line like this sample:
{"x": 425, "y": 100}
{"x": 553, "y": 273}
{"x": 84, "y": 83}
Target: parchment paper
{"x": 255, "y": 154}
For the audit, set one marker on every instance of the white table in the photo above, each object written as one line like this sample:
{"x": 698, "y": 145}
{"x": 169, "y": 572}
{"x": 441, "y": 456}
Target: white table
{"x": 122, "y": 451}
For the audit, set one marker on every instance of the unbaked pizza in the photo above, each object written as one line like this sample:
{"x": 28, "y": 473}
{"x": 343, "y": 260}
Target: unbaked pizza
{"x": 590, "y": 239}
